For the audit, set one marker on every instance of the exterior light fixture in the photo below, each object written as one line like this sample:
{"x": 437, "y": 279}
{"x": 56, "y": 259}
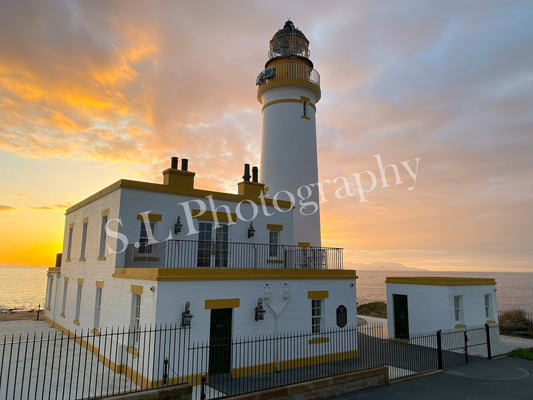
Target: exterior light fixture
{"x": 186, "y": 316}
{"x": 177, "y": 226}
{"x": 251, "y": 230}
{"x": 259, "y": 310}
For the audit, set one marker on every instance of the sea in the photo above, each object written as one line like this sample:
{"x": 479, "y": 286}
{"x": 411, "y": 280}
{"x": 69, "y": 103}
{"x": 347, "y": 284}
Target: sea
{"x": 25, "y": 287}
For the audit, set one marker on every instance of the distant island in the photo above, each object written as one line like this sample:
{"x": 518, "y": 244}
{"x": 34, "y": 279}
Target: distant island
{"x": 380, "y": 266}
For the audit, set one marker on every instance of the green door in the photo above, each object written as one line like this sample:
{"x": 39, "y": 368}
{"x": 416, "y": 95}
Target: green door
{"x": 401, "y": 316}
{"x": 220, "y": 341}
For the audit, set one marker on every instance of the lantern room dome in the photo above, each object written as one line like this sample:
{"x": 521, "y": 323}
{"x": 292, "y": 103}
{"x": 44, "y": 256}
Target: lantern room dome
{"x": 289, "y": 41}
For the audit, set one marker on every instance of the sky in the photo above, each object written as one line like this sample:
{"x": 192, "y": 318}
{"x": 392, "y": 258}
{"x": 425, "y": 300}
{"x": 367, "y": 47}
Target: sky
{"x": 95, "y": 91}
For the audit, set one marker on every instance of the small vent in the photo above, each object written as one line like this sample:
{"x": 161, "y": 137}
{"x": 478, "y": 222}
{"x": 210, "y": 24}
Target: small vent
{"x": 269, "y": 73}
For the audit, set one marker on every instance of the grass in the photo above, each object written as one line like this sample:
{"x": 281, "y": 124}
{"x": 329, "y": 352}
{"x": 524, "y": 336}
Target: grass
{"x": 376, "y": 309}
{"x": 526, "y": 354}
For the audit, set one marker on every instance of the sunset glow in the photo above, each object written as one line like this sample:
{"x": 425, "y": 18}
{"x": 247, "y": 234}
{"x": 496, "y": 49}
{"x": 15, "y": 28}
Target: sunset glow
{"x": 92, "y": 92}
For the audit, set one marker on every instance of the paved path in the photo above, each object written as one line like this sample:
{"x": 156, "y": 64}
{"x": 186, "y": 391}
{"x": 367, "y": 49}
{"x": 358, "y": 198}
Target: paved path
{"x": 500, "y": 379}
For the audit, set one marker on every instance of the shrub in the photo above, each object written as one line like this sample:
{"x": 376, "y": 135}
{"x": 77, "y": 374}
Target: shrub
{"x": 375, "y": 309}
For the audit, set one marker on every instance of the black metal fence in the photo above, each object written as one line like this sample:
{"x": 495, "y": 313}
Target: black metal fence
{"x": 67, "y": 366}
{"x": 516, "y": 322}
{"x": 221, "y": 254}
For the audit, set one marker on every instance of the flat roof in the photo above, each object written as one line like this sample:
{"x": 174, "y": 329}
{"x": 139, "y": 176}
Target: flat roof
{"x": 440, "y": 281}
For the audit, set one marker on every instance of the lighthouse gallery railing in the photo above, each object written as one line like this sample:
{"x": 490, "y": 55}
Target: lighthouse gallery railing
{"x": 289, "y": 71}
{"x": 205, "y": 254}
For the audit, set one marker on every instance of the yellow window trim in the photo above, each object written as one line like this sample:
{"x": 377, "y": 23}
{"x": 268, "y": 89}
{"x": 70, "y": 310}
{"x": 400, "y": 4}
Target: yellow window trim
{"x": 67, "y": 260}
{"x": 490, "y": 322}
{"x": 101, "y": 258}
{"x": 305, "y": 117}
{"x": 65, "y": 279}
{"x": 137, "y": 289}
{"x": 318, "y": 340}
{"x": 317, "y": 294}
{"x": 222, "y": 303}
{"x": 85, "y": 220}
{"x": 100, "y": 284}
{"x": 83, "y": 259}
{"x": 210, "y": 216}
{"x": 48, "y": 308}
{"x": 71, "y": 226}
{"x": 460, "y": 326}
{"x": 304, "y": 244}
{"x": 105, "y": 212}
{"x": 274, "y": 227}
{"x": 151, "y": 217}
{"x": 76, "y": 322}
{"x": 274, "y": 261}
{"x": 80, "y": 281}
{"x": 62, "y": 315}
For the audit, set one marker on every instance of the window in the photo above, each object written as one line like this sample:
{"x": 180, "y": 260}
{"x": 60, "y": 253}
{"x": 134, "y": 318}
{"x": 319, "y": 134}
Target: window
{"x": 83, "y": 241}
{"x": 147, "y": 233}
{"x": 273, "y": 240}
{"x": 69, "y": 245}
{"x": 47, "y": 300}
{"x": 317, "y": 306}
{"x": 305, "y": 109}
{"x": 488, "y": 306}
{"x": 101, "y": 253}
{"x": 64, "y": 304}
{"x": 458, "y": 308}
{"x": 204, "y": 244}
{"x": 97, "y": 307}
{"x": 78, "y": 303}
{"x": 221, "y": 248}
{"x": 135, "y": 320}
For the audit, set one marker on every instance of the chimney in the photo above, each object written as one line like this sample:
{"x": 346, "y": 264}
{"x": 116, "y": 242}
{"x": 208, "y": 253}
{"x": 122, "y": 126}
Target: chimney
{"x": 246, "y": 175}
{"x": 255, "y": 174}
{"x": 179, "y": 179}
{"x": 174, "y": 163}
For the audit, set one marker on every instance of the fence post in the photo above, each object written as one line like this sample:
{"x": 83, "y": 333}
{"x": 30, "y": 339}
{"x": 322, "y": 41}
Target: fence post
{"x": 38, "y": 311}
{"x": 165, "y": 371}
{"x": 466, "y": 346}
{"x": 202, "y": 388}
{"x": 487, "y": 331}
{"x": 439, "y": 349}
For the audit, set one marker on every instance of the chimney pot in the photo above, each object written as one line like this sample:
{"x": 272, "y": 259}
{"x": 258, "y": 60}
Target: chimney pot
{"x": 255, "y": 173}
{"x": 184, "y": 164}
{"x": 246, "y": 175}
{"x": 174, "y": 163}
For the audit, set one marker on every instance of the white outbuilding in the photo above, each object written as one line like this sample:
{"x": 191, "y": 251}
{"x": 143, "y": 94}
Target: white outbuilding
{"x": 427, "y": 304}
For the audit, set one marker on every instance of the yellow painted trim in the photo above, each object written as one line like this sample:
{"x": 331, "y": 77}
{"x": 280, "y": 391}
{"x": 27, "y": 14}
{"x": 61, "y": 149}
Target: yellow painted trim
{"x": 305, "y": 117}
{"x": 101, "y": 258}
{"x": 85, "y": 220}
{"x": 460, "y": 326}
{"x": 490, "y": 322}
{"x": 210, "y": 216}
{"x": 159, "y": 188}
{"x": 71, "y": 226}
{"x": 105, "y": 212}
{"x": 304, "y": 244}
{"x": 48, "y": 308}
{"x": 222, "y": 303}
{"x": 440, "y": 281}
{"x": 80, "y": 281}
{"x": 137, "y": 289}
{"x": 67, "y": 260}
{"x": 51, "y": 277}
{"x": 95, "y": 331}
{"x": 318, "y": 294}
{"x": 274, "y": 227}
{"x": 318, "y": 340}
{"x": 100, "y": 284}
{"x": 83, "y": 259}
{"x": 289, "y": 82}
{"x": 62, "y": 315}
{"x": 133, "y": 350}
{"x": 65, "y": 279}
{"x": 294, "y": 363}
{"x": 76, "y": 322}
{"x": 151, "y": 217}
{"x": 288, "y": 101}
{"x": 274, "y": 261}
{"x": 214, "y": 274}
{"x": 54, "y": 270}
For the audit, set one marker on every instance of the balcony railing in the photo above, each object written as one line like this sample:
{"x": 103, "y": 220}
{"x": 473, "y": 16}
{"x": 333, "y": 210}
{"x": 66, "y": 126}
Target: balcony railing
{"x": 289, "y": 71}
{"x": 206, "y": 254}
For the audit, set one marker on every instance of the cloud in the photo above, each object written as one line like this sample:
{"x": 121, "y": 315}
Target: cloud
{"x": 52, "y": 207}
{"x": 6, "y": 208}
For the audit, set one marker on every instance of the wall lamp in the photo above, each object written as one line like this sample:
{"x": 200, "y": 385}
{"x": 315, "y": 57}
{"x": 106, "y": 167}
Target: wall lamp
{"x": 259, "y": 310}
{"x": 186, "y": 316}
{"x": 251, "y": 230}
{"x": 177, "y": 226}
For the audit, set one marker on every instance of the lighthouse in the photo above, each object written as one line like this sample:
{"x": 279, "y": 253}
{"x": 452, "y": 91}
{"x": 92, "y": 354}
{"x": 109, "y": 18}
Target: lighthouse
{"x": 289, "y": 89}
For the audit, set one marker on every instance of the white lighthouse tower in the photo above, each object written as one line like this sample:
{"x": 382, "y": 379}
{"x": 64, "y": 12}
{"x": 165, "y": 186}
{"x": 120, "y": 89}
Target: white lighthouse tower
{"x": 288, "y": 89}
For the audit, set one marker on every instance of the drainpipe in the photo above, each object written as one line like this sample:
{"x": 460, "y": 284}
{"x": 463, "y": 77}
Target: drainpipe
{"x": 267, "y": 296}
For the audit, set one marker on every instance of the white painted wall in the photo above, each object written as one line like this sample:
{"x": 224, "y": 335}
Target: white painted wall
{"x": 431, "y": 307}
{"x": 289, "y": 154}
